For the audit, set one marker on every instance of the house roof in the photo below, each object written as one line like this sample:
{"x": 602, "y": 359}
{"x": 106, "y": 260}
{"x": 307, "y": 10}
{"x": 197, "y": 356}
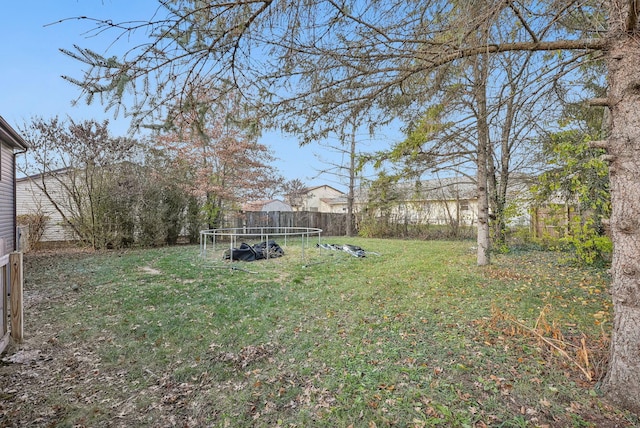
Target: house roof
{"x": 309, "y": 189}
{"x": 453, "y": 188}
{"x": 259, "y": 205}
{"x": 255, "y": 205}
{"x": 55, "y": 172}
{"x": 447, "y": 188}
{"x": 11, "y": 137}
{"x": 450, "y": 188}
{"x": 340, "y": 200}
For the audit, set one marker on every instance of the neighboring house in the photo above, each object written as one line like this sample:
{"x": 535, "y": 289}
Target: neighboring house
{"x": 322, "y": 199}
{"x": 11, "y": 143}
{"x": 270, "y": 205}
{"x": 335, "y": 205}
{"x": 444, "y": 201}
{"x": 440, "y": 201}
{"x": 31, "y": 199}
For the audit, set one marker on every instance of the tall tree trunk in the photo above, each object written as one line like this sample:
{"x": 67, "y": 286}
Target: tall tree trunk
{"x": 352, "y": 182}
{"x": 500, "y": 228}
{"x": 497, "y": 195}
{"x": 622, "y": 383}
{"x": 480, "y": 88}
{"x": 483, "y": 204}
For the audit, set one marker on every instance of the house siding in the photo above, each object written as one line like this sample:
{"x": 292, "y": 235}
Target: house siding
{"x": 443, "y": 201}
{"x": 315, "y": 199}
{"x": 31, "y": 200}
{"x": 7, "y": 209}
{"x": 437, "y": 212}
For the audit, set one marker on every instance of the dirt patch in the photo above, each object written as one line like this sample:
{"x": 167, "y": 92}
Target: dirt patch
{"x": 55, "y": 385}
{"x": 23, "y": 356}
{"x": 150, "y": 270}
{"x": 246, "y": 356}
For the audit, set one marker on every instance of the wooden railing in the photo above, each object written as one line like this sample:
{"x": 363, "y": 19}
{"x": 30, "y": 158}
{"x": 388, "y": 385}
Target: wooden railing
{"x": 11, "y": 270}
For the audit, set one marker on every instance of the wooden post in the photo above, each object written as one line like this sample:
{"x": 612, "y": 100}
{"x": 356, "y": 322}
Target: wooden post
{"x": 17, "y": 281}
{"x": 4, "y": 333}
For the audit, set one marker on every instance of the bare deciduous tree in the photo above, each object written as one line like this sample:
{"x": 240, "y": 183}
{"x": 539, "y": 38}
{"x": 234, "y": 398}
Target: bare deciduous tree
{"x": 294, "y": 193}
{"x": 218, "y": 152}
{"x": 349, "y": 166}
{"x": 74, "y": 165}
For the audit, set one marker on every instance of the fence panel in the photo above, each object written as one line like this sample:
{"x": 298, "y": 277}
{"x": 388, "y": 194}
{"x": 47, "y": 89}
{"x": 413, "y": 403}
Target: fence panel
{"x": 332, "y": 224}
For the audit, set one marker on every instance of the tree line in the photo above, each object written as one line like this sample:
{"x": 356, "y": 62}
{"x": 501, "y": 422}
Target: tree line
{"x": 115, "y": 192}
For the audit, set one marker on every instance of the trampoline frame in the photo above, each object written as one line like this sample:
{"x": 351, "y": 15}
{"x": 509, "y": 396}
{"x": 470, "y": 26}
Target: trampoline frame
{"x": 263, "y": 233}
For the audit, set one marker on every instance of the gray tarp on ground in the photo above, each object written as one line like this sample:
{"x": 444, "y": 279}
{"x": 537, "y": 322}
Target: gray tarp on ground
{"x": 261, "y": 251}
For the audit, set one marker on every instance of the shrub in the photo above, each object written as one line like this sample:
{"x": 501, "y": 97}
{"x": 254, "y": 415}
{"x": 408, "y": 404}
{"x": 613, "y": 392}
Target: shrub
{"x": 588, "y": 245}
{"x": 36, "y": 223}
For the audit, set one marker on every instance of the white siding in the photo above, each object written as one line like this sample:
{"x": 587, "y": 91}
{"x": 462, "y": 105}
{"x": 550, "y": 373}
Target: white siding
{"x": 31, "y": 200}
{"x": 437, "y": 212}
{"x": 7, "y": 230}
{"x": 313, "y": 199}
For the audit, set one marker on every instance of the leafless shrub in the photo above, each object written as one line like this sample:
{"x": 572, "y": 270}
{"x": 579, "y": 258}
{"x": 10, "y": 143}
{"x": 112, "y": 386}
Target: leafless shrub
{"x": 36, "y": 224}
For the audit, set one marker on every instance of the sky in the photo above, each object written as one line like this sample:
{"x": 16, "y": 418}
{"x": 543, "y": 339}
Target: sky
{"x": 31, "y": 84}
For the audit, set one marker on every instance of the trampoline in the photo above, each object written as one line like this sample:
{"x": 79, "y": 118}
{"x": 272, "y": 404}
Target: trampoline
{"x": 215, "y": 240}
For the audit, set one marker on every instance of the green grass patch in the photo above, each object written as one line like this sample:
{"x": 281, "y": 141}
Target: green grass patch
{"x": 415, "y": 335}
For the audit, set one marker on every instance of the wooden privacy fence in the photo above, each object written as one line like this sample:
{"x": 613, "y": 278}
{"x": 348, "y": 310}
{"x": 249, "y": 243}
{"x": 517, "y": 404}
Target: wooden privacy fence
{"x": 332, "y": 224}
{"x": 11, "y": 271}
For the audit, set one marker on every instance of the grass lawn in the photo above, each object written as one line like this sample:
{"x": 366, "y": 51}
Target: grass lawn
{"x": 416, "y": 335}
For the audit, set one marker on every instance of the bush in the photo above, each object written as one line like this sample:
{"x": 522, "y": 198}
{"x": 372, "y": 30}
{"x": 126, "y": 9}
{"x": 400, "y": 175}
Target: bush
{"x": 36, "y": 223}
{"x": 588, "y": 245}
{"x": 381, "y": 227}
{"x": 194, "y": 220}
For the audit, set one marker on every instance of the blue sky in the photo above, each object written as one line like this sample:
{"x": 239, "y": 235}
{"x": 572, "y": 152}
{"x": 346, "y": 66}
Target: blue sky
{"x": 30, "y": 82}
